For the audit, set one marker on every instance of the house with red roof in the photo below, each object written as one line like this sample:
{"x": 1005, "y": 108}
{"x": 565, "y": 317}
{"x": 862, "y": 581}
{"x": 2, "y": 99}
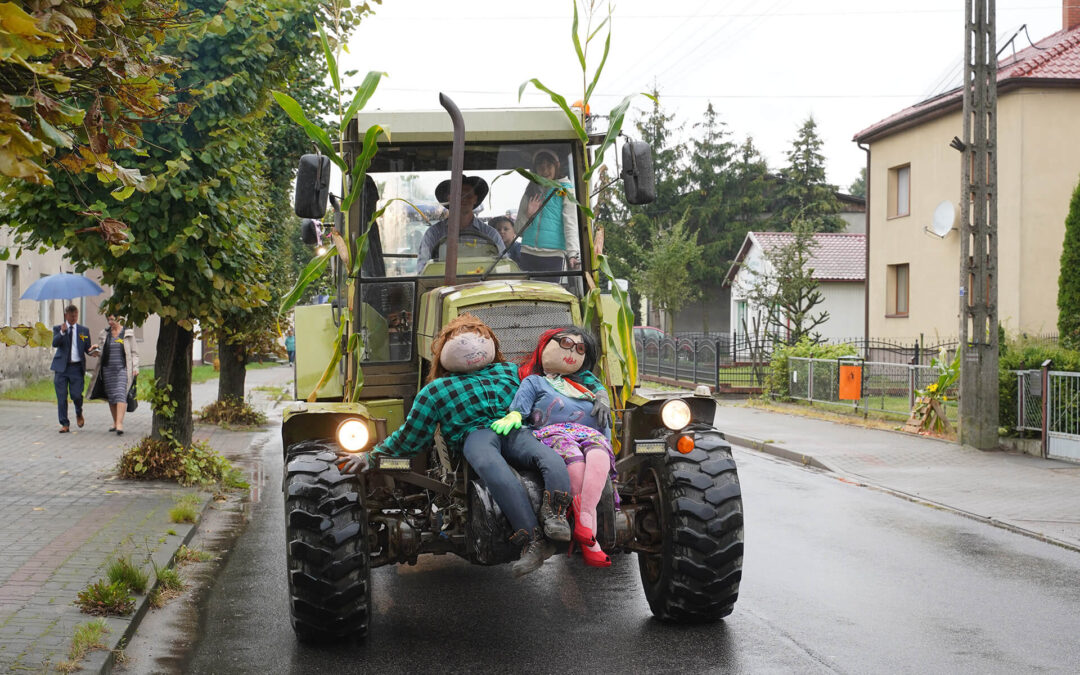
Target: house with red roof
{"x": 912, "y": 281}
{"x": 837, "y": 262}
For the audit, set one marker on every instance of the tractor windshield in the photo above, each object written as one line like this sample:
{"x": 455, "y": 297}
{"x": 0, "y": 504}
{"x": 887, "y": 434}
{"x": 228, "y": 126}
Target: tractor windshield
{"x": 412, "y": 183}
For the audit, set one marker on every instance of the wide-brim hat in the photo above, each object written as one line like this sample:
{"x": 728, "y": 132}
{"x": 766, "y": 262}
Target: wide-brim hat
{"x": 478, "y": 184}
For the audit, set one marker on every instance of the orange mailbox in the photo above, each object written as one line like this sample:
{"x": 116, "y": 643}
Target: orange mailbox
{"x": 850, "y": 382}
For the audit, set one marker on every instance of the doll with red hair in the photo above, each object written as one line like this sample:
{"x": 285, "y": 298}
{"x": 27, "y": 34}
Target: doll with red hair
{"x": 469, "y": 386}
{"x": 571, "y": 418}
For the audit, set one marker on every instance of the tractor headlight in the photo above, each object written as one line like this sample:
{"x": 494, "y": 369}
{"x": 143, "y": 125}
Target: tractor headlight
{"x": 675, "y": 414}
{"x": 352, "y": 435}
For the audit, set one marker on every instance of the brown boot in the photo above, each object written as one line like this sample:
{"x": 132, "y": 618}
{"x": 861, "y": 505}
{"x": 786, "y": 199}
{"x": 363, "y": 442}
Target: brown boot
{"x": 534, "y": 551}
{"x": 553, "y": 515}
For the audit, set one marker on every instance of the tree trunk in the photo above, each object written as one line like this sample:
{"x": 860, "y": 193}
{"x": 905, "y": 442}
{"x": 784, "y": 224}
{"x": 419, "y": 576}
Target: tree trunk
{"x": 172, "y": 366}
{"x": 233, "y": 359}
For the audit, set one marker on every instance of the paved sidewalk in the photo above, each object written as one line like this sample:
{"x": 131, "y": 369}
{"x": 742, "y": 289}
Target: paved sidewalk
{"x": 64, "y": 515}
{"x": 1037, "y": 497}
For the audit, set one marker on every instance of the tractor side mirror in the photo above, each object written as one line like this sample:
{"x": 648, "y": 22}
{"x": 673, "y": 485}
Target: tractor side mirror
{"x": 312, "y": 186}
{"x": 639, "y": 183}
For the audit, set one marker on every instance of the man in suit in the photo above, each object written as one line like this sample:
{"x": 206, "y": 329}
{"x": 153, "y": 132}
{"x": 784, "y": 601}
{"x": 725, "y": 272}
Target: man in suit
{"x": 72, "y": 343}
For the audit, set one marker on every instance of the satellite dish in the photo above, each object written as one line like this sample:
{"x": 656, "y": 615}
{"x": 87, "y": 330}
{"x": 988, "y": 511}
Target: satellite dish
{"x": 946, "y": 215}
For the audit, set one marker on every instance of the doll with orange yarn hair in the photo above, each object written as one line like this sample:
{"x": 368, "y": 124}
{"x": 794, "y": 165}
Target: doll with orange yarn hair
{"x": 572, "y": 419}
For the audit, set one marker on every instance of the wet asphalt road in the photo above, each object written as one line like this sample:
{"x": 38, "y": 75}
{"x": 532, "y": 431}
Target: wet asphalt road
{"x": 837, "y": 578}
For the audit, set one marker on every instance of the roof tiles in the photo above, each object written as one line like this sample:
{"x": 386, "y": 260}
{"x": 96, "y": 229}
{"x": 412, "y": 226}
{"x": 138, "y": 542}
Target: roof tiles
{"x": 839, "y": 256}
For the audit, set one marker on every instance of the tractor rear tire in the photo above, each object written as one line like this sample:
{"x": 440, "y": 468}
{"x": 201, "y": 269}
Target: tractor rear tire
{"x": 695, "y": 578}
{"x": 326, "y": 547}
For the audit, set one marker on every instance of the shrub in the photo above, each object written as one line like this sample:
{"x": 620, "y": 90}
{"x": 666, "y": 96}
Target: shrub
{"x": 232, "y": 412}
{"x": 105, "y": 598}
{"x": 198, "y": 464}
{"x": 1020, "y": 356}
{"x": 777, "y": 378}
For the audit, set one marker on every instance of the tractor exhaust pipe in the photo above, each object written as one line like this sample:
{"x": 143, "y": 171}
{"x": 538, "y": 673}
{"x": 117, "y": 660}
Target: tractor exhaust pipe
{"x": 457, "y": 165}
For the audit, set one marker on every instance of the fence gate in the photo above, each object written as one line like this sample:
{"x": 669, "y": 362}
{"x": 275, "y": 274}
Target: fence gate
{"x": 1063, "y": 416}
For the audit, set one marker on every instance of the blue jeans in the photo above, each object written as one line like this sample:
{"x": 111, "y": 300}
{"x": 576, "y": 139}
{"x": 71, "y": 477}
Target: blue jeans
{"x": 70, "y": 381}
{"x": 491, "y": 456}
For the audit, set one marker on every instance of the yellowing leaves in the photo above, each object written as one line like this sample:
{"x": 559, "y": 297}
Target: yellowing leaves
{"x": 14, "y": 20}
{"x": 68, "y": 57}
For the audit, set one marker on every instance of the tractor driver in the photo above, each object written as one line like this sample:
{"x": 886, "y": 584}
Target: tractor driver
{"x": 472, "y": 232}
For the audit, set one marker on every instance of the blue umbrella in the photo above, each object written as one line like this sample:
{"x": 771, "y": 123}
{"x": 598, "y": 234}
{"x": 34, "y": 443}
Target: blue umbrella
{"x": 61, "y": 287}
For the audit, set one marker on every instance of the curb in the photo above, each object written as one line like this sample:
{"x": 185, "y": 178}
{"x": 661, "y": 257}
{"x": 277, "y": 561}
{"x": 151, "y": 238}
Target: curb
{"x": 777, "y": 451}
{"x": 124, "y": 627}
{"x": 807, "y": 460}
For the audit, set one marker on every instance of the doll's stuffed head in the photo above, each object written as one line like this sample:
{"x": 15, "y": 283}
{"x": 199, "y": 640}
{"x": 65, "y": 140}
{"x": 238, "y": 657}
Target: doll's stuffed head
{"x": 462, "y": 346}
{"x": 561, "y": 351}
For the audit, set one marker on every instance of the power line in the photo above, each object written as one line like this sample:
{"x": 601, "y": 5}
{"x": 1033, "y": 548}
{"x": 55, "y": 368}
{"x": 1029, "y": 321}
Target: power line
{"x": 719, "y": 15}
{"x": 530, "y": 94}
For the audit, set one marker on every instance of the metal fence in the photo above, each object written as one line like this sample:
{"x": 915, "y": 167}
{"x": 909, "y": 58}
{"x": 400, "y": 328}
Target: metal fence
{"x": 739, "y": 361}
{"x": 888, "y": 388}
{"x": 1029, "y": 404}
{"x": 705, "y": 360}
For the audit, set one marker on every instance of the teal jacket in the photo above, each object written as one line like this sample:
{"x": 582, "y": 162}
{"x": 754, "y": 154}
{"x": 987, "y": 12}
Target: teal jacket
{"x": 555, "y": 227}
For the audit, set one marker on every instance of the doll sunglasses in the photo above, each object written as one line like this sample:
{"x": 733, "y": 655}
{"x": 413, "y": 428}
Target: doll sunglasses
{"x": 567, "y": 343}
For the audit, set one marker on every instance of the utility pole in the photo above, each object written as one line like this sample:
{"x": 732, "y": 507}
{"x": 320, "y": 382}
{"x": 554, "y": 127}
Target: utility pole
{"x": 978, "y": 228}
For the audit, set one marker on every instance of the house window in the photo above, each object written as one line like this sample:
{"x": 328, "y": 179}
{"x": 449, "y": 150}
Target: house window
{"x": 741, "y": 320}
{"x": 11, "y": 295}
{"x": 896, "y": 285}
{"x": 900, "y": 191}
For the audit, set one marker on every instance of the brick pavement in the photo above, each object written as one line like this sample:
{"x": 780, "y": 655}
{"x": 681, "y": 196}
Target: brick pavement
{"x": 64, "y": 515}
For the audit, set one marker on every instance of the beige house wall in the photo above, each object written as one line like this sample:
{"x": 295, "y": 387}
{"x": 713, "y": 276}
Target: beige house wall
{"x": 1038, "y": 168}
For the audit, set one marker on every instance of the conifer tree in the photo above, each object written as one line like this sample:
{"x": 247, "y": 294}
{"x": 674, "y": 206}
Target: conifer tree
{"x": 803, "y": 193}
{"x": 1069, "y": 279}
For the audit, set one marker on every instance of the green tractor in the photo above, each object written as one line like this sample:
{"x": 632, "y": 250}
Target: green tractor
{"x": 680, "y": 499}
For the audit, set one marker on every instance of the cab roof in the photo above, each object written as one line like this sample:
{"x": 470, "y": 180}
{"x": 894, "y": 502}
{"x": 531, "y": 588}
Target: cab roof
{"x": 484, "y": 124}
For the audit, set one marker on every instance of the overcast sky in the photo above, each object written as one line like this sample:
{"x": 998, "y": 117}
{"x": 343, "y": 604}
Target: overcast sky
{"x": 764, "y": 64}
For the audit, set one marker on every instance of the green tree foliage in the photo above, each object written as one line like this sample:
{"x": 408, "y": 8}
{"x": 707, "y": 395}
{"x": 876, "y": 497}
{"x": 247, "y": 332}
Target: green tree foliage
{"x": 752, "y": 191}
{"x": 195, "y": 246}
{"x": 665, "y": 276}
{"x": 803, "y": 193}
{"x": 624, "y": 240}
{"x": 245, "y": 333}
{"x": 709, "y": 199}
{"x": 858, "y": 186}
{"x": 77, "y": 81}
{"x": 1069, "y": 279}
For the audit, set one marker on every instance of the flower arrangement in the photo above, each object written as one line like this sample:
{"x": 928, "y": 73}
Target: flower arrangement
{"x": 929, "y": 411}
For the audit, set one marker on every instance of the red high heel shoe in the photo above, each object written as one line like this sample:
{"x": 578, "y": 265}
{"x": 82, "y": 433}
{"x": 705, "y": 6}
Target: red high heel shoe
{"x": 582, "y": 534}
{"x": 595, "y": 558}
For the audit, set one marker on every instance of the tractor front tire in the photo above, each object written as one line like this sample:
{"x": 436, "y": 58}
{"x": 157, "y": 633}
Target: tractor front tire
{"x": 326, "y": 547}
{"x": 695, "y": 577}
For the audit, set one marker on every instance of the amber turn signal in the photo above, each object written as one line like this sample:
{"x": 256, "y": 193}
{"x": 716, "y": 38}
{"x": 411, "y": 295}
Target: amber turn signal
{"x": 685, "y": 444}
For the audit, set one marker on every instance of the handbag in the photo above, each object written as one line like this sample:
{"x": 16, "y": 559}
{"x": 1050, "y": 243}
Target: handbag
{"x": 132, "y": 400}
{"x": 98, "y": 391}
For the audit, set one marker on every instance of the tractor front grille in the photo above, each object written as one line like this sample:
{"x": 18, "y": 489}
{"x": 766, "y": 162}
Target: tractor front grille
{"x": 518, "y": 325}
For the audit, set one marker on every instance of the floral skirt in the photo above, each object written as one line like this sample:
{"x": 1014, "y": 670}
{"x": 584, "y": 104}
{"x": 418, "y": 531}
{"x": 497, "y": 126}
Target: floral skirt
{"x": 571, "y": 441}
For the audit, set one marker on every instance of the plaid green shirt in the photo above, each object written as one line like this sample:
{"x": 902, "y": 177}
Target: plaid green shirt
{"x": 461, "y": 403}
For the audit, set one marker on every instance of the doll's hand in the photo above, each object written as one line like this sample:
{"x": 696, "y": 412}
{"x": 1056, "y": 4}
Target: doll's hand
{"x": 507, "y": 424}
{"x": 602, "y": 413}
{"x": 356, "y": 463}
